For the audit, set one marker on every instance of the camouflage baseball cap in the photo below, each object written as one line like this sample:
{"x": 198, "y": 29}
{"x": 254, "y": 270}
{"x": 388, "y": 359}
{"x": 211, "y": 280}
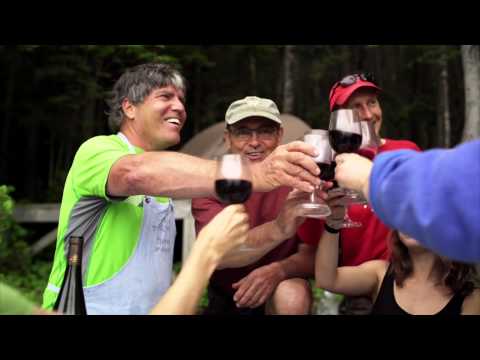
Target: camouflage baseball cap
{"x": 252, "y": 106}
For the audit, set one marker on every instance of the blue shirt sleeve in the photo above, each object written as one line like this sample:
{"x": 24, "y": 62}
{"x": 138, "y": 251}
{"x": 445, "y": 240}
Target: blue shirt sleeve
{"x": 432, "y": 196}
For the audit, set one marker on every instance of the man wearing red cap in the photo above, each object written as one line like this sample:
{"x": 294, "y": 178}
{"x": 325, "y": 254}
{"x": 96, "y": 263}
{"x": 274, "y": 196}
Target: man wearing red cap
{"x": 358, "y": 92}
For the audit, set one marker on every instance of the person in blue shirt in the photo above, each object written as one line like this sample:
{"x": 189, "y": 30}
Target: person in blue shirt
{"x": 432, "y": 196}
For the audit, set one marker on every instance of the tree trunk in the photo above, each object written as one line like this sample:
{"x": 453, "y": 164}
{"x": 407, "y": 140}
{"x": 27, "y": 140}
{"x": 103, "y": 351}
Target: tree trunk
{"x": 358, "y": 58}
{"x": 288, "y": 88}
{"x": 32, "y": 179}
{"x": 197, "y": 95}
{"x": 90, "y": 103}
{"x": 443, "y": 120}
{"x": 471, "y": 71}
{"x": 346, "y": 56}
{"x": 252, "y": 62}
{"x": 9, "y": 96}
{"x": 89, "y": 111}
{"x": 51, "y": 159}
{"x": 279, "y": 79}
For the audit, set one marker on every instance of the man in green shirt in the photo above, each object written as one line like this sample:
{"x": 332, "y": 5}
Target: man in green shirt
{"x": 117, "y": 193}
{"x": 227, "y": 231}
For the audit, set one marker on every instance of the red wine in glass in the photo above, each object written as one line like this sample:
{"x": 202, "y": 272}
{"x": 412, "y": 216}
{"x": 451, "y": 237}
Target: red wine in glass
{"x": 233, "y": 179}
{"x": 233, "y": 191}
{"x": 344, "y": 141}
{"x": 327, "y": 171}
{"x": 314, "y": 206}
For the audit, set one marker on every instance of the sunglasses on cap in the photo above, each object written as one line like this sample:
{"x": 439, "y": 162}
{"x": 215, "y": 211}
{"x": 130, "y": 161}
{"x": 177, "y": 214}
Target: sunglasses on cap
{"x": 349, "y": 80}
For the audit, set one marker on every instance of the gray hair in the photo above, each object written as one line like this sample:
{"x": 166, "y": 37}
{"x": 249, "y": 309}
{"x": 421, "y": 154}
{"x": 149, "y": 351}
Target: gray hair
{"x": 136, "y": 84}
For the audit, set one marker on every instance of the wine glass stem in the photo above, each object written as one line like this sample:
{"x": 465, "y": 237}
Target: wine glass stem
{"x": 312, "y": 194}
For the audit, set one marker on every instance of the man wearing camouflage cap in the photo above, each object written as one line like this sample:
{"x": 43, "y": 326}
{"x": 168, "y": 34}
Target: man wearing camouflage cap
{"x": 269, "y": 279}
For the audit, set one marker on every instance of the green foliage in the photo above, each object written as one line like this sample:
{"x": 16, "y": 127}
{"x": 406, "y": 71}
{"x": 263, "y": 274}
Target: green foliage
{"x": 14, "y": 253}
{"x": 16, "y": 266}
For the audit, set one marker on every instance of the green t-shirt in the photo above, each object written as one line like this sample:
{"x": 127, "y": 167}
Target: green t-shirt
{"x": 110, "y": 227}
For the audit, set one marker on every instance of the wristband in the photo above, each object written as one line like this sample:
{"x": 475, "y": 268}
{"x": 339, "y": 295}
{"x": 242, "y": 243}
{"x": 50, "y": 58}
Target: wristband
{"x": 331, "y": 230}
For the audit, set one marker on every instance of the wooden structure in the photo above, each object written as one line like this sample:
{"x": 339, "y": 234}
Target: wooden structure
{"x": 49, "y": 213}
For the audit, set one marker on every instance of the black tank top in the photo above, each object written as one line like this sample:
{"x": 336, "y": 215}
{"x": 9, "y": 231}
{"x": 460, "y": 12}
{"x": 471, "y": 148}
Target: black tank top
{"x": 385, "y": 304}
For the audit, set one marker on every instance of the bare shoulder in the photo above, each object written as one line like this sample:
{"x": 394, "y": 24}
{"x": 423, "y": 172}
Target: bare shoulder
{"x": 471, "y": 304}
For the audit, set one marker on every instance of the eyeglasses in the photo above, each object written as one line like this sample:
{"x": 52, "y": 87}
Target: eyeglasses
{"x": 244, "y": 133}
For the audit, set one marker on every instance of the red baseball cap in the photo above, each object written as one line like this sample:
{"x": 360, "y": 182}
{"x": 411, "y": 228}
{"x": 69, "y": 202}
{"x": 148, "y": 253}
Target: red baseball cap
{"x": 340, "y": 93}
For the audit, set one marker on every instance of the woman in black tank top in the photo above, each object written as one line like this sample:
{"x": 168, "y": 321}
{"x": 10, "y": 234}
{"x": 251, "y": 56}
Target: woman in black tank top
{"x": 386, "y": 303}
{"x": 453, "y": 279}
{"x": 415, "y": 282}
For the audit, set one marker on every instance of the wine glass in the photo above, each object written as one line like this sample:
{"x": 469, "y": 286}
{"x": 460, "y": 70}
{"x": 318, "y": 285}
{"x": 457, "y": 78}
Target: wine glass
{"x": 233, "y": 179}
{"x": 370, "y": 140}
{"x": 314, "y": 206}
{"x": 345, "y": 136}
{"x": 233, "y": 182}
{"x": 345, "y": 131}
{"x": 369, "y": 149}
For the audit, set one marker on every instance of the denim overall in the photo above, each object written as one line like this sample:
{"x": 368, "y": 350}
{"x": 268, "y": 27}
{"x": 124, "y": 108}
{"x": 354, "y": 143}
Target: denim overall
{"x": 146, "y": 276}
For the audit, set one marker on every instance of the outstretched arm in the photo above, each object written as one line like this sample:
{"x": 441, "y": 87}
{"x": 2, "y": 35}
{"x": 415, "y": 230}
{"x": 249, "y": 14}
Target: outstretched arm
{"x": 432, "y": 196}
{"x": 177, "y": 175}
{"x": 346, "y": 280}
{"x": 228, "y": 229}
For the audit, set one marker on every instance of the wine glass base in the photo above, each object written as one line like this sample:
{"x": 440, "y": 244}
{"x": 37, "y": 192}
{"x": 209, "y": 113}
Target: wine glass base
{"x": 351, "y": 225}
{"x": 317, "y": 211}
{"x": 349, "y": 196}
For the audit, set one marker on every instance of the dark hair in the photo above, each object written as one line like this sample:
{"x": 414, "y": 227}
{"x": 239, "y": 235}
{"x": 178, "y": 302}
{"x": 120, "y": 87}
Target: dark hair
{"x": 457, "y": 276}
{"x": 136, "y": 84}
